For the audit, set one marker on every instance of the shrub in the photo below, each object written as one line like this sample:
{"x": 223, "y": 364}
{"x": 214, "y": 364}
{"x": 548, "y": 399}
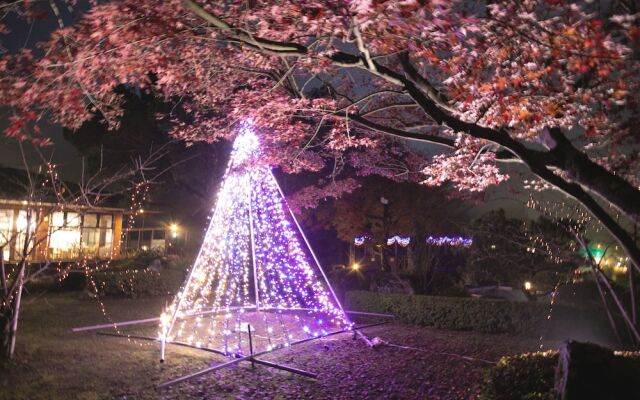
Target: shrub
{"x": 526, "y": 376}
{"x": 481, "y": 315}
{"x": 131, "y": 277}
{"x": 126, "y": 277}
{"x": 129, "y": 283}
{"x": 531, "y": 377}
{"x": 74, "y": 282}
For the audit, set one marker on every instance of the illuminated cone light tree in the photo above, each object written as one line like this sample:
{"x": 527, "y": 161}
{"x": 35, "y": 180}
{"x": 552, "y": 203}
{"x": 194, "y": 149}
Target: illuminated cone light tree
{"x": 252, "y": 272}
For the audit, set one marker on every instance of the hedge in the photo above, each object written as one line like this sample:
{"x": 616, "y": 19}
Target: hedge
{"x": 127, "y": 277}
{"x": 526, "y": 376}
{"x": 480, "y": 315}
{"x": 531, "y": 376}
{"x": 129, "y": 283}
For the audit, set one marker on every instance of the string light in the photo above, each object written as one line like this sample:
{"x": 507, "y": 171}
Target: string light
{"x": 405, "y": 241}
{"x": 359, "y": 240}
{"x": 450, "y": 241}
{"x": 402, "y": 241}
{"x": 251, "y": 270}
{"x": 51, "y": 182}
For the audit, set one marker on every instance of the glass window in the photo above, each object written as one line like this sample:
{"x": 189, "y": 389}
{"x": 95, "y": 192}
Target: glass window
{"x": 106, "y": 221}
{"x": 64, "y": 235}
{"x": 132, "y": 240}
{"x": 97, "y": 235}
{"x": 57, "y": 219}
{"x": 90, "y": 241}
{"x": 106, "y": 243}
{"x": 90, "y": 221}
{"x": 26, "y": 219}
{"x": 6, "y": 231}
{"x": 73, "y": 220}
{"x": 90, "y": 235}
{"x": 106, "y": 236}
{"x": 157, "y": 240}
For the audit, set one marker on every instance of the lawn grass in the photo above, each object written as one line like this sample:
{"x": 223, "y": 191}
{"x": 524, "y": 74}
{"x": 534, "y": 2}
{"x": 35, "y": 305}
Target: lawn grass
{"x": 52, "y": 363}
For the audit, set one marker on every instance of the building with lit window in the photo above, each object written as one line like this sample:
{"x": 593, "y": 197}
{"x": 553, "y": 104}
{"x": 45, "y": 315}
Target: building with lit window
{"x": 59, "y": 233}
{"x": 65, "y": 232}
{"x": 155, "y": 231}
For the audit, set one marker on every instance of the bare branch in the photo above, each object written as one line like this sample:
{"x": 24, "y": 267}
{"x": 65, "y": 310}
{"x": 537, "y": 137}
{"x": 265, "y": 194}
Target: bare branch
{"x": 266, "y": 45}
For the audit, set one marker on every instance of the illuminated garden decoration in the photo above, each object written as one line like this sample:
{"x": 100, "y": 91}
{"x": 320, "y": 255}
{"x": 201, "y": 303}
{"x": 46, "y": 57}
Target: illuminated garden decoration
{"x": 252, "y": 279}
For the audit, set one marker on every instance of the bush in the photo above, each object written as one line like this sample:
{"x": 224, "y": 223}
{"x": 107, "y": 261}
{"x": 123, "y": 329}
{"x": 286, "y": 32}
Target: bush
{"x": 481, "y": 315}
{"x": 526, "y": 376}
{"x": 531, "y": 376}
{"x": 129, "y": 283}
{"x": 126, "y": 277}
{"x": 75, "y": 281}
{"x": 175, "y": 271}
{"x": 132, "y": 277}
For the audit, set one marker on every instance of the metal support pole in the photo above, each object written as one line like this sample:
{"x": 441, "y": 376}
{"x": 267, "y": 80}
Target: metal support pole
{"x": 148, "y": 320}
{"x": 186, "y": 285}
{"x": 307, "y": 242}
{"x": 253, "y": 250}
{"x": 370, "y": 314}
{"x": 202, "y": 372}
{"x": 111, "y": 325}
{"x": 249, "y": 357}
{"x": 253, "y": 365}
{"x": 149, "y": 338}
{"x": 286, "y": 368}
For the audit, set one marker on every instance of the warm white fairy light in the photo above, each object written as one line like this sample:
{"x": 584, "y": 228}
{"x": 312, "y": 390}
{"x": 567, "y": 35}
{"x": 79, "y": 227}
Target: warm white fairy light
{"x": 252, "y": 270}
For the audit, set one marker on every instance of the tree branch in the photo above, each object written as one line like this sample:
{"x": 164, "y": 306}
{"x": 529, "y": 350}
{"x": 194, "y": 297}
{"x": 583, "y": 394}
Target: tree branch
{"x": 589, "y": 174}
{"x": 387, "y": 130}
{"x": 266, "y": 45}
{"x": 537, "y": 161}
{"x": 424, "y": 84}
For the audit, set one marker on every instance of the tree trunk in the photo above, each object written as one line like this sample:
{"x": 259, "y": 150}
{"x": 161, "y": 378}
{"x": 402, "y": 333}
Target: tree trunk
{"x": 632, "y": 286}
{"x": 632, "y": 295}
{"x": 13, "y": 296}
{"x": 10, "y": 317}
{"x": 3, "y": 273}
{"x": 15, "y": 312}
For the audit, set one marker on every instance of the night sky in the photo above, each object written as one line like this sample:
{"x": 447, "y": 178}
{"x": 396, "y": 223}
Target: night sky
{"x": 26, "y": 34}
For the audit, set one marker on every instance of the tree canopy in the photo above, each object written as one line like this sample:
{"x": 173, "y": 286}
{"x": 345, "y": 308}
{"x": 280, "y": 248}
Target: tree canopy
{"x": 334, "y": 86}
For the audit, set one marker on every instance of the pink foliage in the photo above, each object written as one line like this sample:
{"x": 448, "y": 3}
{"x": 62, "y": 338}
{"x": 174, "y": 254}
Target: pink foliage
{"x": 469, "y": 168}
{"x": 517, "y": 66}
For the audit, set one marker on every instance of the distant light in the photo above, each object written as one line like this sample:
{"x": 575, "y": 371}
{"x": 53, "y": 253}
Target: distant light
{"x": 174, "y": 230}
{"x": 355, "y": 266}
{"x": 597, "y": 254}
{"x": 527, "y": 285}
